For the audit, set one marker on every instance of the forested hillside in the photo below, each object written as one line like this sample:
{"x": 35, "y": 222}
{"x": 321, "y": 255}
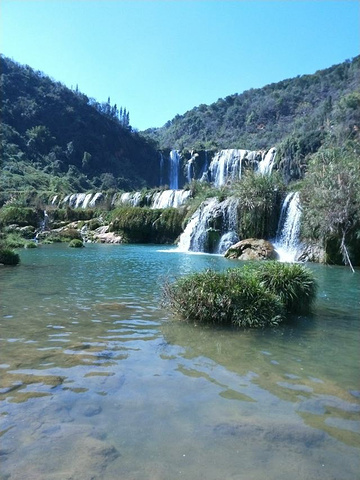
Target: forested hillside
{"x": 297, "y": 113}
{"x": 57, "y": 139}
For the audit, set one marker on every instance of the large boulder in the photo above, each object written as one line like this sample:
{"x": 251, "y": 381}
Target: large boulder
{"x": 252, "y": 249}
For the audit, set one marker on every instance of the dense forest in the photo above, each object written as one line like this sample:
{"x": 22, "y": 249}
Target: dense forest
{"x": 297, "y": 113}
{"x": 57, "y": 139}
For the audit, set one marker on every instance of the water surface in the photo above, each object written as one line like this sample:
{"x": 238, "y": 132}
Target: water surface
{"x": 99, "y": 382}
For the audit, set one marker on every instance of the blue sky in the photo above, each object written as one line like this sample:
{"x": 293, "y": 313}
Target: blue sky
{"x": 162, "y": 58}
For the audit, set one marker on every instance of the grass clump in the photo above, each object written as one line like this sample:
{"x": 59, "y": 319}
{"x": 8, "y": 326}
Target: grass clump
{"x": 76, "y": 243}
{"x": 8, "y": 257}
{"x": 292, "y": 282}
{"x": 247, "y": 297}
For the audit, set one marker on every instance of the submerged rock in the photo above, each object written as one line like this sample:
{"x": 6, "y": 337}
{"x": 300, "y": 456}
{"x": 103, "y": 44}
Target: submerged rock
{"x": 252, "y": 249}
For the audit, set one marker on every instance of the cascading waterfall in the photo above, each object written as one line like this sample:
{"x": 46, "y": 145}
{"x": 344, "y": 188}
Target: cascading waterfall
{"x": 190, "y": 170}
{"x": 204, "y": 177}
{"x": 193, "y": 238}
{"x": 267, "y": 163}
{"x": 170, "y": 198}
{"x": 229, "y": 224}
{"x": 161, "y": 168}
{"x": 226, "y": 165}
{"x": 212, "y": 218}
{"x": 287, "y": 240}
{"x": 174, "y": 160}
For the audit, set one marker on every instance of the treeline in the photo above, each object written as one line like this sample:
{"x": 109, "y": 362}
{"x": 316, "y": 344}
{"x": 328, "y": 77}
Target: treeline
{"x": 297, "y": 114}
{"x": 57, "y": 139}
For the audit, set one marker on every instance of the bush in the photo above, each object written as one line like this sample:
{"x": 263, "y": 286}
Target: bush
{"x": 257, "y": 296}
{"x": 146, "y": 225}
{"x": 292, "y": 282}
{"x": 76, "y": 243}
{"x": 8, "y": 257}
{"x": 21, "y": 216}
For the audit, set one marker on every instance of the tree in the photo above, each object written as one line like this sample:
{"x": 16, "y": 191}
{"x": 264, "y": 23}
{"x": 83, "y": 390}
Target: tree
{"x": 331, "y": 196}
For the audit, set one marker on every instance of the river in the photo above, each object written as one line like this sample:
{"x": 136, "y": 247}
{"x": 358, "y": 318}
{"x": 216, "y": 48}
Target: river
{"x": 98, "y": 381}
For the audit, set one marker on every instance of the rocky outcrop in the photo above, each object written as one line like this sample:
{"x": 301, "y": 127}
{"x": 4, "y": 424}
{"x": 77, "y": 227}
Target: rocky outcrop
{"x": 102, "y": 235}
{"x": 312, "y": 252}
{"x": 252, "y": 249}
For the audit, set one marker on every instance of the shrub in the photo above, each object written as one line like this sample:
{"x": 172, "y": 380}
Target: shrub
{"x": 30, "y": 245}
{"x": 146, "y": 225}
{"x": 292, "y": 282}
{"x": 76, "y": 243}
{"x": 21, "y": 216}
{"x": 257, "y": 296}
{"x": 8, "y": 257}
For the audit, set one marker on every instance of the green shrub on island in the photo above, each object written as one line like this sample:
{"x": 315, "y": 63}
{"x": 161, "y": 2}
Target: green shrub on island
{"x": 8, "y": 257}
{"x": 292, "y": 282}
{"x": 242, "y": 297}
{"x": 76, "y": 243}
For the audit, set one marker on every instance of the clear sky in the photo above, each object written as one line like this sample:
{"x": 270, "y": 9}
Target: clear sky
{"x": 162, "y": 58}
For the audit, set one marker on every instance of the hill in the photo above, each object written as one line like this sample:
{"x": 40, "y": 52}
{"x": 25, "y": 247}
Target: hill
{"x": 57, "y": 139}
{"x": 297, "y": 113}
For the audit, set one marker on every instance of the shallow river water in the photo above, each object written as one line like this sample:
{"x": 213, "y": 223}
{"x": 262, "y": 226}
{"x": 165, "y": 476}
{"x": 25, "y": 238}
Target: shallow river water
{"x": 99, "y": 382}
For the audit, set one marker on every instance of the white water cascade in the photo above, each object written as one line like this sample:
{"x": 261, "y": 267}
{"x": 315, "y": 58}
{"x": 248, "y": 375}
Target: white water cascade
{"x": 163, "y": 199}
{"x": 170, "y": 198}
{"x": 195, "y": 237}
{"x": 226, "y": 165}
{"x": 161, "y": 168}
{"x": 287, "y": 241}
{"x": 190, "y": 170}
{"x": 174, "y": 160}
{"x": 267, "y": 163}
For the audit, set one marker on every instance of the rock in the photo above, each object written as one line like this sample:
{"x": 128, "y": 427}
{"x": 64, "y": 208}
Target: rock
{"x": 312, "y": 253}
{"x": 252, "y": 249}
{"x": 102, "y": 235}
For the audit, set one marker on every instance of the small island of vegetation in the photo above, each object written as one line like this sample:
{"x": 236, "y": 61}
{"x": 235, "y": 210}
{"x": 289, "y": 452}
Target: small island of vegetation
{"x": 257, "y": 295}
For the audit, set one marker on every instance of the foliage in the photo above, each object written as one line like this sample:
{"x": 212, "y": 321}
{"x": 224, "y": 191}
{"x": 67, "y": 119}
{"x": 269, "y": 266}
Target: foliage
{"x": 260, "y": 198}
{"x": 146, "y": 225}
{"x": 14, "y": 240}
{"x": 297, "y": 115}
{"x": 8, "y": 257}
{"x": 60, "y": 140}
{"x": 293, "y": 283}
{"x": 76, "y": 243}
{"x": 241, "y": 297}
{"x": 18, "y": 215}
{"x": 330, "y": 197}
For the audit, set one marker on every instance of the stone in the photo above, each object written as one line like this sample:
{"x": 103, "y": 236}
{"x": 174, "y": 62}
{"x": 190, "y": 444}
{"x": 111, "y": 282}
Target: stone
{"x": 252, "y": 249}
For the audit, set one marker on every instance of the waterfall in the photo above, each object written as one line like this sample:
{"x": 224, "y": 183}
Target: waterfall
{"x": 287, "y": 238}
{"x": 193, "y": 238}
{"x": 95, "y": 199}
{"x": 163, "y": 199}
{"x": 267, "y": 162}
{"x": 190, "y": 169}
{"x": 229, "y": 225}
{"x": 212, "y": 228}
{"x": 174, "y": 160}
{"x": 169, "y": 198}
{"x": 226, "y": 165}
{"x": 161, "y": 168}
{"x": 204, "y": 177}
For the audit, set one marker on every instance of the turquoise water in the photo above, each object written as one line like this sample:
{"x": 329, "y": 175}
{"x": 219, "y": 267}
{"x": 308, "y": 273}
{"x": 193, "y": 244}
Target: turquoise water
{"x": 99, "y": 382}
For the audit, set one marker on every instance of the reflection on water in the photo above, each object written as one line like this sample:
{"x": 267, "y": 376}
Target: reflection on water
{"x": 98, "y": 376}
